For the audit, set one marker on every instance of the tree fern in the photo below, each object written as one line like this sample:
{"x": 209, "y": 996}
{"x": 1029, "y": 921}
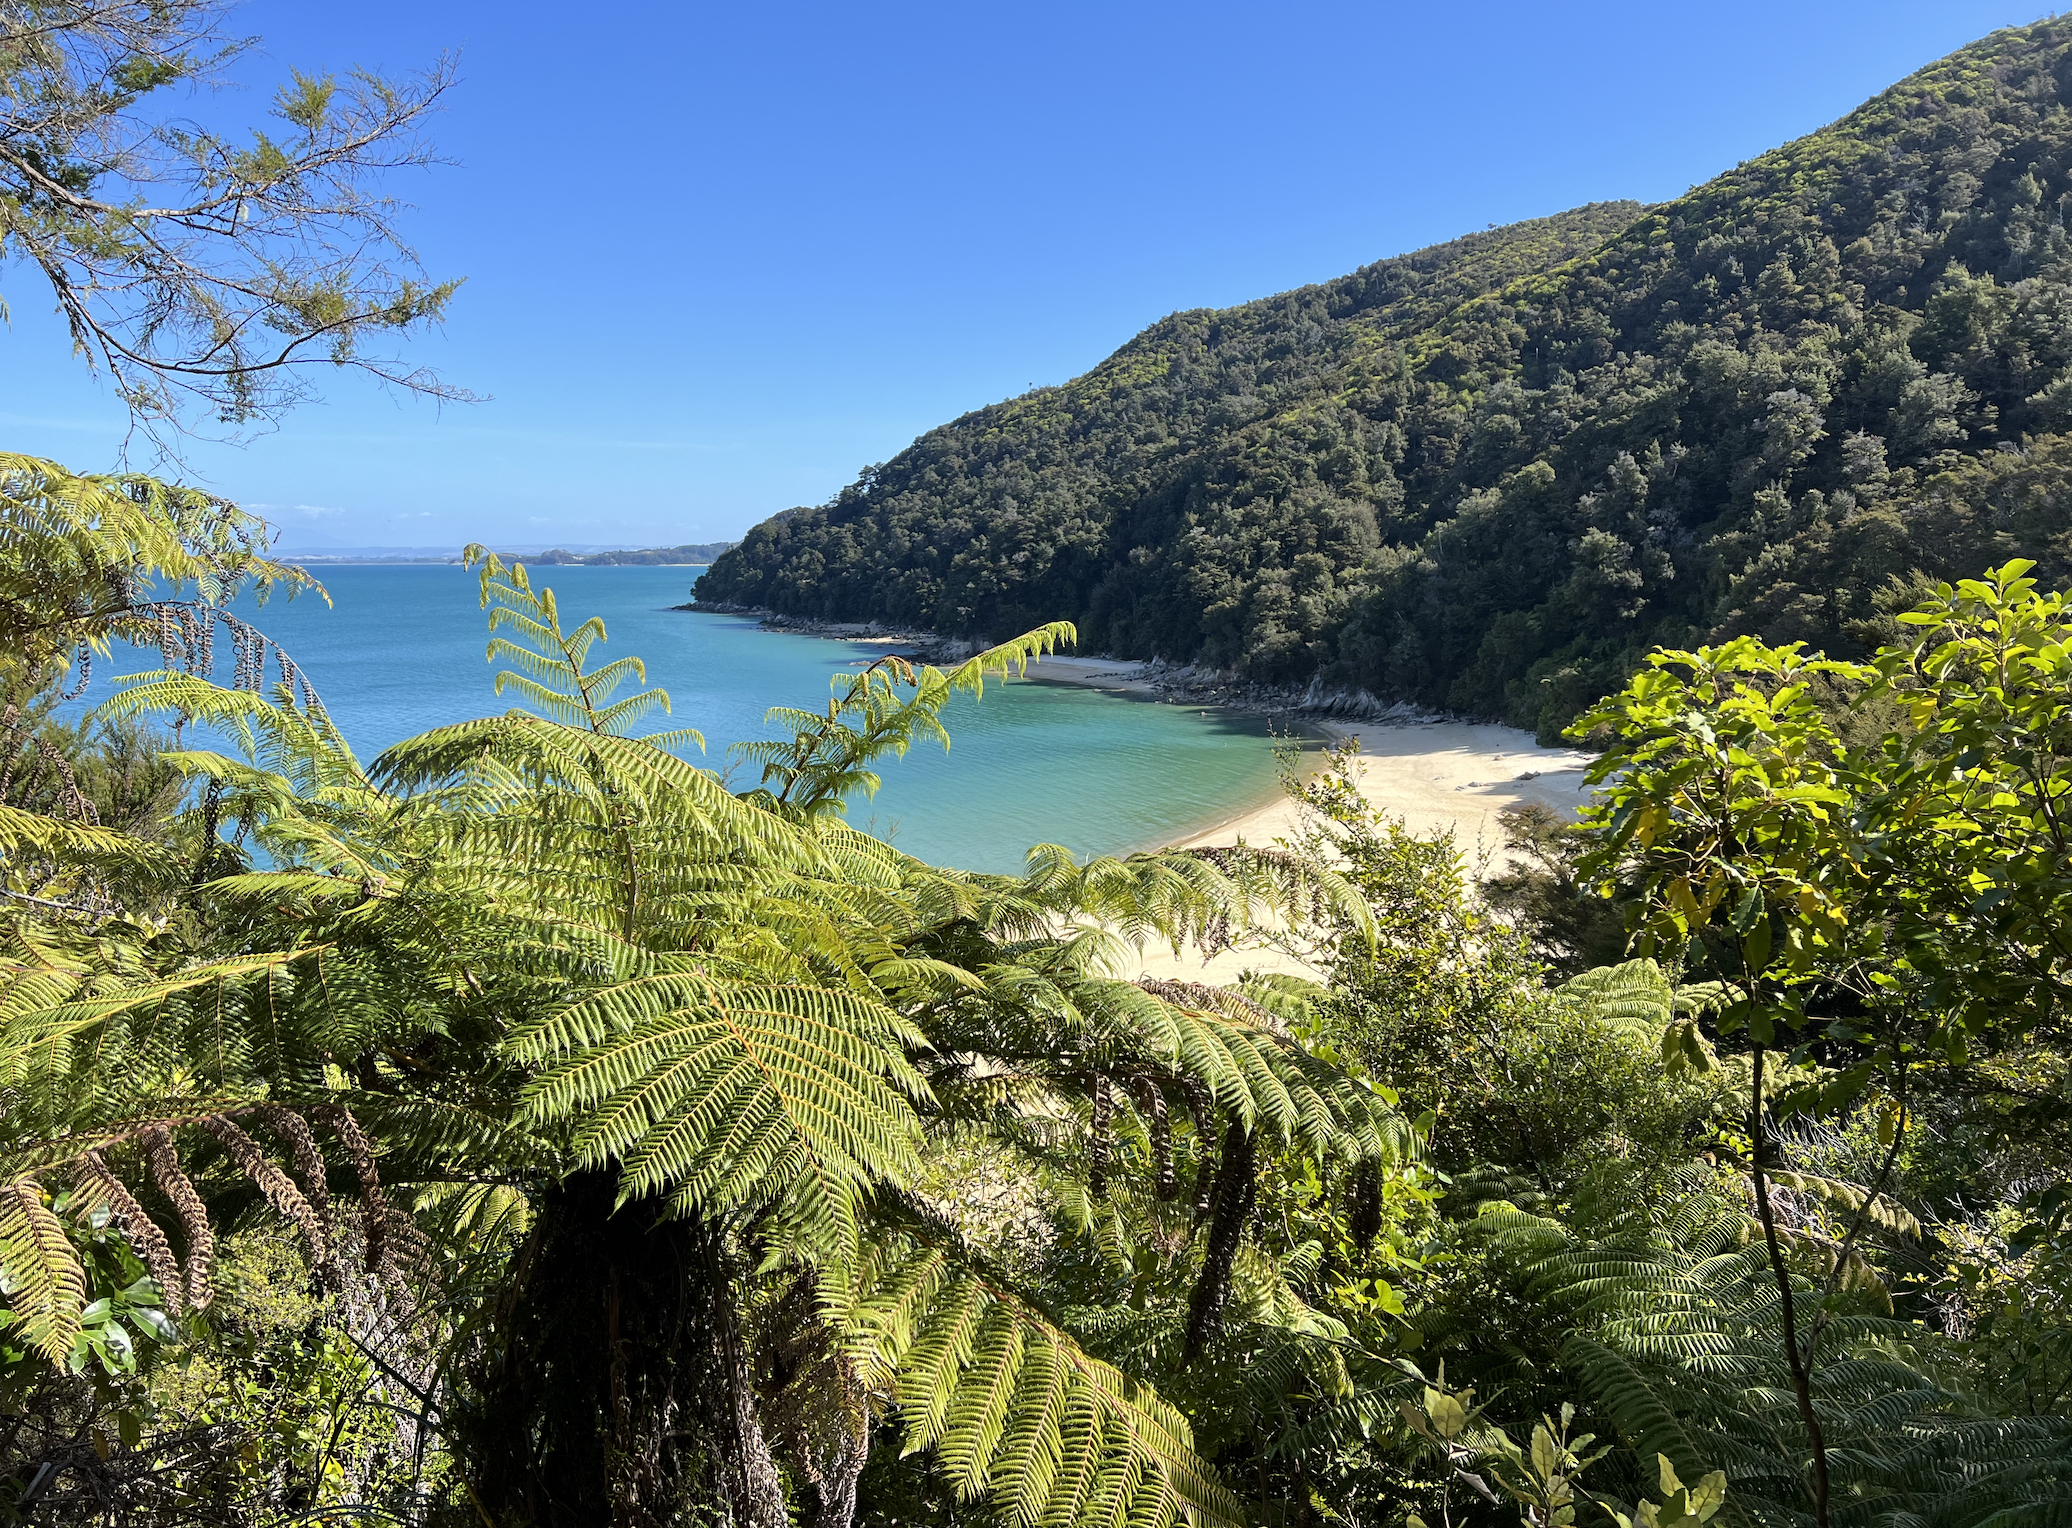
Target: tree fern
{"x": 725, "y": 1095}
{"x": 1633, "y": 999}
{"x": 529, "y": 952}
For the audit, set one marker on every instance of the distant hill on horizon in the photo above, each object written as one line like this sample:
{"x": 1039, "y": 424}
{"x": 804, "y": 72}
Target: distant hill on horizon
{"x": 1488, "y": 476}
{"x": 694, "y": 554}
{"x": 697, "y": 552}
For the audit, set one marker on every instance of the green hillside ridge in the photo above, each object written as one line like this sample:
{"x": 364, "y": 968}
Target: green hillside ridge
{"x": 692, "y": 554}
{"x": 1489, "y": 475}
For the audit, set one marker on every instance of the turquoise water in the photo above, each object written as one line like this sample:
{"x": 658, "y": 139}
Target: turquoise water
{"x": 400, "y": 650}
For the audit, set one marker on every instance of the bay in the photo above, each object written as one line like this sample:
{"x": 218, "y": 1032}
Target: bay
{"x": 400, "y": 649}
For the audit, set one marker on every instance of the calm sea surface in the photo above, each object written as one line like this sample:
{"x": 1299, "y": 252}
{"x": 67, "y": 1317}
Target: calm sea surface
{"x": 400, "y": 650}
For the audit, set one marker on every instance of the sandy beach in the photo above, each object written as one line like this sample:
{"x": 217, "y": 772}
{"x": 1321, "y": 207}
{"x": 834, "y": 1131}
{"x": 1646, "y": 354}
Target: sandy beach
{"x": 1456, "y": 775}
{"x": 1094, "y": 673}
{"x": 1432, "y": 774}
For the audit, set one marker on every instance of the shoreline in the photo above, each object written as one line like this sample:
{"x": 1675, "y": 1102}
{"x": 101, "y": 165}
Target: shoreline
{"x": 1180, "y": 682}
{"x": 1121, "y": 677}
{"x": 1432, "y": 770}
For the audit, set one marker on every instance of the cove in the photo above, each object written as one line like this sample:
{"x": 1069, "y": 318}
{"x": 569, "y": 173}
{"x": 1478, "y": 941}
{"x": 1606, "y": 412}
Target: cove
{"x": 400, "y": 650}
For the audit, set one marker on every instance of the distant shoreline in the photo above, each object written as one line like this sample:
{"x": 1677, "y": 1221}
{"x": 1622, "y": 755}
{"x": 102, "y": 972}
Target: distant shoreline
{"x": 319, "y": 560}
{"x": 1187, "y": 683}
{"x": 1432, "y": 770}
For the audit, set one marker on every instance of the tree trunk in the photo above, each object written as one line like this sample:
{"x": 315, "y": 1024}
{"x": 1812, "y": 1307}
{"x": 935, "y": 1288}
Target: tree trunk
{"x": 1801, "y": 1380}
{"x": 613, "y": 1384}
{"x": 840, "y": 1470}
{"x": 748, "y": 1474}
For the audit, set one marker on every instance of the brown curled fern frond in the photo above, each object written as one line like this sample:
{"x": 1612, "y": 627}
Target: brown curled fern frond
{"x": 1237, "y": 1185}
{"x": 277, "y": 1187}
{"x": 73, "y": 802}
{"x": 1201, "y": 1109}
{"x": 309, "y": 1160}
{"x": 1158, "y": 1128}
{"x": 1100, "y": 1146}
{"x": 374, "y": 1208}
{"x": 164, "y": 1160}
{"x": 1201, "y": 998}
{"x": 99, "y": 1184}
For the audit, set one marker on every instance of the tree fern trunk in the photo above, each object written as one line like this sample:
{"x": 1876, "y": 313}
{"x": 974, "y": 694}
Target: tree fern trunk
{"x": 840, "y": 1473}
{"x": 748, "y": 1473}
{"x": 613, "y": 1386}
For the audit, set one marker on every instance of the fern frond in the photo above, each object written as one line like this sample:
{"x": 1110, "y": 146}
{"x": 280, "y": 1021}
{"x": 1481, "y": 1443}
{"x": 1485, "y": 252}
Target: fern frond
{"x": 1881, "y": 1210}
{"x": 100, "y": 1185}
{"x": 1633, "y": 999}
{"x": 277, "y": 1187}
{"x": 45, "y": 1285}
{"x": 725, "y": 1094}
{"x": 550, "y": 664}
{"x": 1017, "y": 1411}
{"x": 1012, "y": 657}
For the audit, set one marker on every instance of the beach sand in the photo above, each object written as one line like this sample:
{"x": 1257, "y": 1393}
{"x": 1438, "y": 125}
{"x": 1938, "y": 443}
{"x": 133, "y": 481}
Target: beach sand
{"x": 1456, "y": 775}
{"x": 1437, "y": 774}
{"x": 1093, "y": 673}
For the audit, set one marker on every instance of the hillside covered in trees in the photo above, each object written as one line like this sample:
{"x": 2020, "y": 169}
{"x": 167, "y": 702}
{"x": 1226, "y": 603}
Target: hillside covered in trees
{"x": 692, "y": 554}
{"x": 1489, "y": 475}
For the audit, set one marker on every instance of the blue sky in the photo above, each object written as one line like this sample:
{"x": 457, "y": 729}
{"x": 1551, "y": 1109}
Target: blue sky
{"x": 720, "y": 257}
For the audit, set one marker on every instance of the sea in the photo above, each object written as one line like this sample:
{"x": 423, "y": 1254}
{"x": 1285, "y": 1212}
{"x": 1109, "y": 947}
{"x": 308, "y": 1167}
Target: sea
{"x": 399, "y": 649}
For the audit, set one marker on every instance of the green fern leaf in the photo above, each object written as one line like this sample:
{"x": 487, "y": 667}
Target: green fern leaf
{"x": 45, "y": 1285}
{"x": 725, "y": 1094}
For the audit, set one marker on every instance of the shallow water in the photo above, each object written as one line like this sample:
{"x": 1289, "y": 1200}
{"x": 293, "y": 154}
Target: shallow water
{"x": 400, "y": 650}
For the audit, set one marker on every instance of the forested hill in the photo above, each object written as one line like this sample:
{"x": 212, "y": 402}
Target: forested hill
{"x": 1489, "y": 475}
{"x": 1020, "y": 512}
{"x": 692, "y": 553}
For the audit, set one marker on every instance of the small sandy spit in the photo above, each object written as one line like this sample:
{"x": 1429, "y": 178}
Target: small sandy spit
{"x": 1431, "y": 773}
